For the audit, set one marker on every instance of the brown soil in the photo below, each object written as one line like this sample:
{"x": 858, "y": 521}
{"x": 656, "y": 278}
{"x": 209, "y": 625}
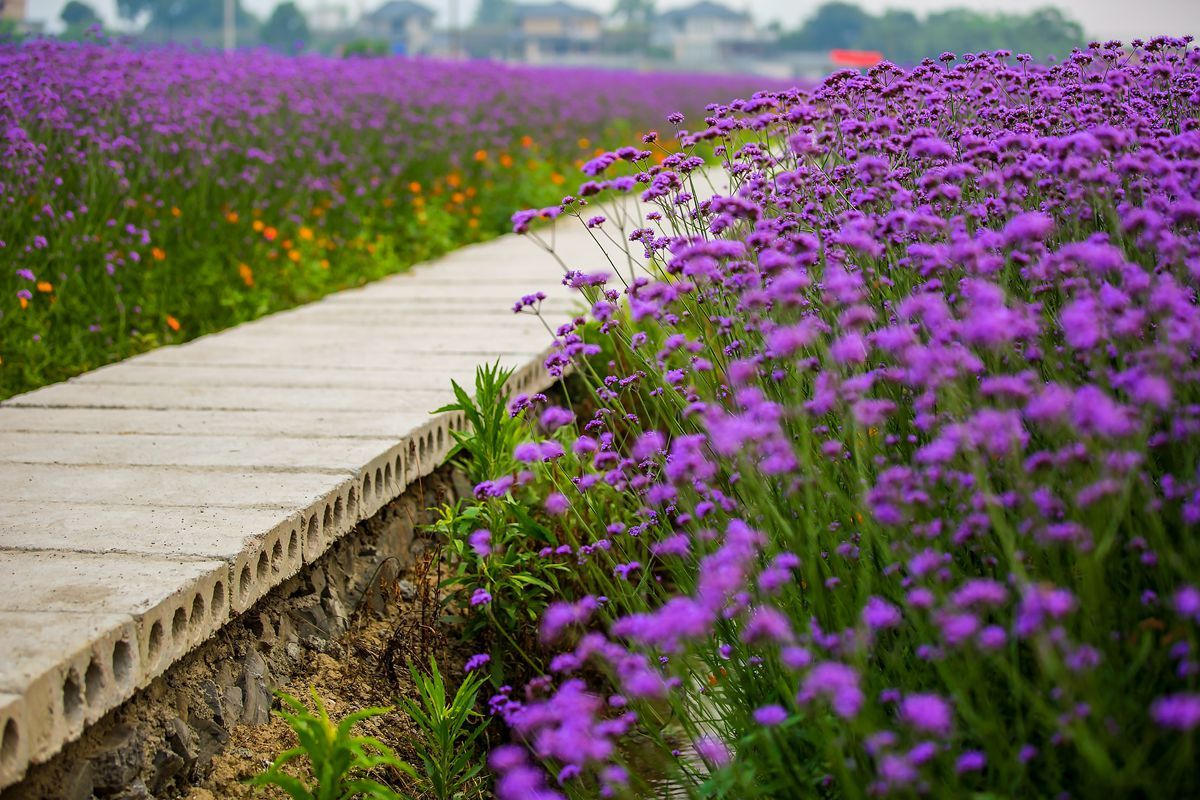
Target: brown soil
{"x": 366, "y": 667}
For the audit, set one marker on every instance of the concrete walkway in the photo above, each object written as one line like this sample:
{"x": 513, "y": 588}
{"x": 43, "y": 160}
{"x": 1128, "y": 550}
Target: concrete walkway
{"x": 144, "y": 504}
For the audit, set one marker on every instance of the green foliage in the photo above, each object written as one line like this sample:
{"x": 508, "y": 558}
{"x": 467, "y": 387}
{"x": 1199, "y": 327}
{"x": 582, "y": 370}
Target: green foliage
{"x": 494, "y": 12}
{"x": 448, "y": 732}
{"x": 485, "y": 451}
{"x": 172, "y": 15}
{"x": 286, "y": 27}
{"x": 77, "y": 14}
{"x": 365, "y": 48}
{"x": 904, "y": 38}
{"x": 339, "y": 762}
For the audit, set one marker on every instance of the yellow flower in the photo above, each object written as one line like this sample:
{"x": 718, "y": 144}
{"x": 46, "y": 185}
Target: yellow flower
{"x": 246, "y": 273}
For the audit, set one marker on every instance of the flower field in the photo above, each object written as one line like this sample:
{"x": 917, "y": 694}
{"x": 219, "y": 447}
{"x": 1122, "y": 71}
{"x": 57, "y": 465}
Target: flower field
{"x": 885, "y": 481}
{"x": 151, "y": 196}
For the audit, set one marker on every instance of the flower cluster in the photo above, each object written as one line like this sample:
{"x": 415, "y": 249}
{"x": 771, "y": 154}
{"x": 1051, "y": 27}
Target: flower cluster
{"x": 902, "y": 433}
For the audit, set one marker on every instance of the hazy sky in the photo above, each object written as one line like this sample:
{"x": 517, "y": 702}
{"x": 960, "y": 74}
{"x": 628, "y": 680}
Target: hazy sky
{"x": 1101, "y": 18}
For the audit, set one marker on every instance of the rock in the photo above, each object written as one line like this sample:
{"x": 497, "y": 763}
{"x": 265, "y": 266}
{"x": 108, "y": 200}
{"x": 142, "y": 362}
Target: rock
{"x": 210, "y": 738}
{"x": 213, "y": 699}
{"x": 233, "y": 703}
{"x": 182, "y": 743}
{"x": 168, "y": 765}
{"x": 408, "y": 589}
{"x": 256, "y": 694}
{"x": 78, "y": 784}
{"x": 117, "y": 760}
{"x": 293, "y": 650}
{"x": 136, "y": 790}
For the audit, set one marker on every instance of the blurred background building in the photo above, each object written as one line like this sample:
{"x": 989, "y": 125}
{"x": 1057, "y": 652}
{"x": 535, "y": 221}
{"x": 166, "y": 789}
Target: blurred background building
{"x": 781, "y": 38}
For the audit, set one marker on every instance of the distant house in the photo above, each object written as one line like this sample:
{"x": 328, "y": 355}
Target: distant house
{"x": 13, "y": 10}
{"x": 547, "y": 30}
{"x": 406, "y": 26}
{"x": 705, "y": 31}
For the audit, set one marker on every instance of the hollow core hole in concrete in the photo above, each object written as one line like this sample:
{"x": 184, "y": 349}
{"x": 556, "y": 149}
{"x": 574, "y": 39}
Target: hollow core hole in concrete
{"x": 93, "y": 683}
{"x": 263, "y": 568}
{"x": 179, "y": 624}
{"x": 293, "y": 545}
{"x": 154, "y": 645}
{"x": 245, "y": 580}
{"x": 352, "y": 506}
{"x": 218, "y": 597}
{"x": 429, "y": 444}
{"x": 366, "y": 488}
{"x": 387, "y": 474}
{"x": 314, "y": 533}
{"x": 10, "y": 739}
{"x": 399, "y": 470}
{"x": 277, "y": 556}
{"x": 122, "y": 661}
{"x": 333, "y": 517}
{"x": 440, "y": 438}
{"x": 72, "y": 697}
{"x": 197, "y": 615}
{"x": 379, "y": 484}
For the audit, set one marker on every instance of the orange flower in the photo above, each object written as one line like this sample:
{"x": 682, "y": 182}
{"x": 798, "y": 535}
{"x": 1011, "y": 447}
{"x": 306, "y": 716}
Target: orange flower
{"x": 270, "y": 234}
{"x": 526, "y": 142}
{"x": 175, "y": 212}
{"x": 158, "y": 253}
{"x": 324, "y": 263}
{"x": 472, "y": 223}
{"x": 45, "y": 287}
{"x": 454, "y": 179}
{"x": 556, "y": 179}
{"x": 232, "y": 216}
{"x": 481, "y": 155}
{"x": 294, "y": 255}
{"x": 287, "y": 244}
{"x": 414, "y": 187}
{"x": 24, "y": 303}
{"x": 471, "y": 191}
{"x": 458, "y": 197}
{"x": 306, "y": 234}
{"x": 506, "y": 160}
{"x": 172, "y": 323}
{"x": 246, "y": 273}
{"x": 585, "y": 143}
{"x": 258, "y": 225}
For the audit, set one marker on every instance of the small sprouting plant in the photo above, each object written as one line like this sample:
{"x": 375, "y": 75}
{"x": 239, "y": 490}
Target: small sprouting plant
{"x": 448, "y": 733}
{"x": 339, "y": 762}
{"x": 485, "y": 450}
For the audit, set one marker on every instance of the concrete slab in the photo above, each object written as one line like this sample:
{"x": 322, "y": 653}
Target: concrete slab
{"x": 69, "y": 668}
{"x": 175, "y": 603}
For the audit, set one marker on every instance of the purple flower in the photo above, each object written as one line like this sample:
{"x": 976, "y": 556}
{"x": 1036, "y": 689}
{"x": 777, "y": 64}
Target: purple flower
{"x": 836, "y": 683}
{"x": 927, "y": 713}
{"x": 476, "y": 661}
{"x": 481, "y": 597}
{"x": 1177, "y": 711}
{"x": 770, "y": 716}
{"x": 481, "y": 542}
